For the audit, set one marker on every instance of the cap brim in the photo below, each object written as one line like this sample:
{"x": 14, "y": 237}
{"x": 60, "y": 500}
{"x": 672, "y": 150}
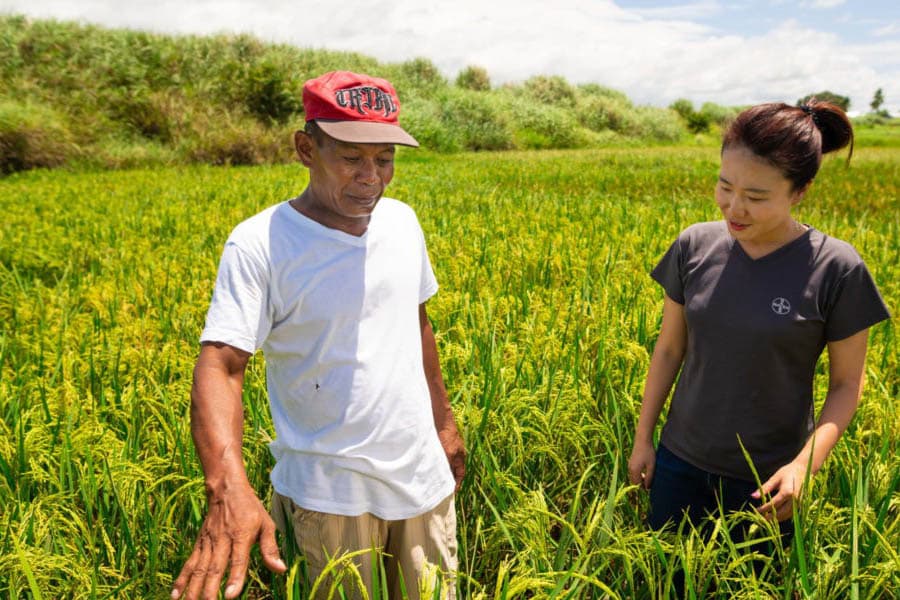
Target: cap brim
{"x": 361, "y": 132}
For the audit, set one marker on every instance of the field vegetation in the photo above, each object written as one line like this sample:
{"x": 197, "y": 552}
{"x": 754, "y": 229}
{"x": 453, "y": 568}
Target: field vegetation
{"x": 83, "y": 95}
{"x": 545, "y": 318}
{"x": 545, "y": 321}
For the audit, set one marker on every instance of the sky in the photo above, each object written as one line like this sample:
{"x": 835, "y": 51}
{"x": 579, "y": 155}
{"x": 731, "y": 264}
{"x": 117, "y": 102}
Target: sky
{"x": 730, "y": 52}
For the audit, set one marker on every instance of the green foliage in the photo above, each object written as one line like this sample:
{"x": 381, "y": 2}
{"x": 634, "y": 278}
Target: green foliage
{"x": 654, "y": 124}
{"x": 234, "y": 140}
{"x": 418, "y": 76}
{"x": 196, "y": 98}
{"x": 474, "y": 78}
{"x": 32, "y": 136}
{"x": 545, "y": 322}
{"x": 478, "y": 121}
{"x": 270, "y": 93}
{"x": 683, "y": 107}
{"x": 595, "y": 89}
{"x": 424, "y": 120}
{"x": 550, "y": 89}
{"x": 718, "y": 114}
{"x": 873, "y": 130}
{"x": 601, "y": 111}
{"x": 877, "y": 100}
{"x": 826, "y": 96}
{"x": 696, "y": 121}
{"x": 539, "y": 126}
{"x": 149, "y": 114}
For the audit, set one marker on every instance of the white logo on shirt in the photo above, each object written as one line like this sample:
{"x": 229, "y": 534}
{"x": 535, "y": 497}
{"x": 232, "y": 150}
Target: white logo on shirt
{"x": 781, "y": 306}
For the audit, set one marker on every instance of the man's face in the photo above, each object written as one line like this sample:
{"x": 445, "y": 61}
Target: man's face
{"x": 346, "y": 180}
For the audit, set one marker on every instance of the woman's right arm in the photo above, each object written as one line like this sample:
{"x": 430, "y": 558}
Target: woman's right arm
{"x": 668, "y": 355}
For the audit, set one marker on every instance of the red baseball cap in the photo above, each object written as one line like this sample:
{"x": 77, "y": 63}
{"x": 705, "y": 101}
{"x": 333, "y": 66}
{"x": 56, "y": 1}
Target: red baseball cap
{"x": 355, "y": 108}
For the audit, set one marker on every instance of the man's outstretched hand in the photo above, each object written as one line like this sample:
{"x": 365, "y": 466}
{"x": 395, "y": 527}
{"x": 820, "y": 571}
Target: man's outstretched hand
{"x": 235, "y": 521}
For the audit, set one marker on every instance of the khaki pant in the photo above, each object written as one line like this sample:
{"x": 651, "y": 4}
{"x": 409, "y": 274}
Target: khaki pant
{"x": 424, "y": 548}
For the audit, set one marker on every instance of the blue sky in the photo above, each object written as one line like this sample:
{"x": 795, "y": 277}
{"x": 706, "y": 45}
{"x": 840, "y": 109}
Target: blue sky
{"x": 855, "y": 22}
{"x": 729, "y": 52}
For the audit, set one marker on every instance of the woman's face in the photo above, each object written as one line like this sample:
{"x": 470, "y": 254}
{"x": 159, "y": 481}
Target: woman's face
{"x": 756, "y": 201}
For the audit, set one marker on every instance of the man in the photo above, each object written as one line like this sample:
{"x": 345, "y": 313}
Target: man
{"x": 331, "y": 285}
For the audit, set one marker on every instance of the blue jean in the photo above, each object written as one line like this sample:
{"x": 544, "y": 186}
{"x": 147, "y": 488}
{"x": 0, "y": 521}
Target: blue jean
{"x": 679, "y": 487}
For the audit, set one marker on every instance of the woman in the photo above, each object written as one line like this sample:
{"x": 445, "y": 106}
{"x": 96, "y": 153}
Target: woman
{"x": 750, "y": 303}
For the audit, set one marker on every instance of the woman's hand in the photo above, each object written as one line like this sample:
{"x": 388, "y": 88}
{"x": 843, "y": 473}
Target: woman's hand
{"x": 847, "y": 359}
{"x": 781, "y": 491}
{"x": 641, "y": 464}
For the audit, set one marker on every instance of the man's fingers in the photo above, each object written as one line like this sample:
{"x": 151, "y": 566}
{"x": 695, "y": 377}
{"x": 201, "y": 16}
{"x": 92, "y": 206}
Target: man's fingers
{"x": 237, "y": 567}
{"x": 268, "y": 547}
{"x": 459, "y": 473}
{"x": 215, "y": 571}
{"x": 185, "y": 575}
{"x": 197, "y": 574}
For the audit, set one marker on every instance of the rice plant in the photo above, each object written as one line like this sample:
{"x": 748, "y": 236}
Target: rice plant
{"x": 545, "y": 320}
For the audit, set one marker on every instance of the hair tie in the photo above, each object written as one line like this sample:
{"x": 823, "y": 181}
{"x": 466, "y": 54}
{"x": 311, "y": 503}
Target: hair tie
{"x": 809, "y": 110}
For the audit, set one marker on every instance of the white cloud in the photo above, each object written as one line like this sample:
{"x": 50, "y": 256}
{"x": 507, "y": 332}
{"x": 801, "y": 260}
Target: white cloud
{"x": 654, "y": 57}
{"x": 687, "y": 11}
{"x": 889, "y": 29}
{"x": 822, "y": 3}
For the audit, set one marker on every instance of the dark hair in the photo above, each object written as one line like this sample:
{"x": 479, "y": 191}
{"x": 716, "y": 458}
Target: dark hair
{"x": 792, "y": 138}
{"x": 313, "y": 130}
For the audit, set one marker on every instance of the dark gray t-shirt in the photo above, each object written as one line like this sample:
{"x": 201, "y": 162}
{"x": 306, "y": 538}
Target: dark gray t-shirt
{"x": 755, "y": 329}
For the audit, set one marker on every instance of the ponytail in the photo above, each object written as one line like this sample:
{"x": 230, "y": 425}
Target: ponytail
{"x": 792, "y": 138}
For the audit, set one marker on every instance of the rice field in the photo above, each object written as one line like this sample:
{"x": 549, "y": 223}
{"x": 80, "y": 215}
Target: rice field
{"x": 545, "y": 320}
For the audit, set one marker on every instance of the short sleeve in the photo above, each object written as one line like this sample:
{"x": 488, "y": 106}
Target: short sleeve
{"x": 857, "y": 305}
{"x": 667, "y": 272}
{"x": 428, "y": 284}
{"x": 238, "y": 314}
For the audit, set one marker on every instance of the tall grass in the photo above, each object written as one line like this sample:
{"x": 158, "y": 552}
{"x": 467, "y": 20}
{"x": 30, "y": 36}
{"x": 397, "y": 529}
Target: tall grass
{"x": 545, "y": 321}
{"x": 129, "y": 98}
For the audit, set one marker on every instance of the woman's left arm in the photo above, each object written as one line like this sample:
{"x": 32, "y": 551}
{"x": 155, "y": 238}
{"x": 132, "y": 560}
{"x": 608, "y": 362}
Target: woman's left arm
{"x": 847, "y": 358}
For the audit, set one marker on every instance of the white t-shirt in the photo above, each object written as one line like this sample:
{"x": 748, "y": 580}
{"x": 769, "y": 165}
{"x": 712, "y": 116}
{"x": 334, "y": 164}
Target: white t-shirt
{"x": 337, "y": 319}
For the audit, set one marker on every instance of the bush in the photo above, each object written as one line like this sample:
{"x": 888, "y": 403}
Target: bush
{"x": 32, "y": 136}
{"x": 603, "y": 109}
{"x": 553, "y": 90}
{"x": 422, "y": 119}
{"x": 595, "y": 89}
{"x": 601, "y": 112}
{"x": 474, "y": 78}
{"x": 718, "y": 114}
{"x": 543, "y": 126}
{"x": 479, "y": 120}
{"x": 683, "y": 107}
{"x": 417, "y": 77}
{"x": 658, "y": 124}
{"x": 144, "y": 112}
{"x": 270, "y": 95}
{"x": 225, "y": 139}
{"x": 697, "y": 122}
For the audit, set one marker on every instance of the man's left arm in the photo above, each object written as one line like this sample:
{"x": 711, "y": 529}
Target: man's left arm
{"x": 440, "y": 404}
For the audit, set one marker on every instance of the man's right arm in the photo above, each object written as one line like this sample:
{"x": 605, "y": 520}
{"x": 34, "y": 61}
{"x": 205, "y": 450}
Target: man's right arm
{"x": 236, "y": 518}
